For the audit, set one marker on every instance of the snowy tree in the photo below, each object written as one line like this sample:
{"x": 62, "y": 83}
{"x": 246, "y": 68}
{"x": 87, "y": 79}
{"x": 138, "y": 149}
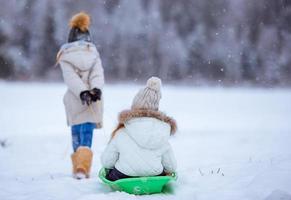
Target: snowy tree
{"x": 217, "y": 41}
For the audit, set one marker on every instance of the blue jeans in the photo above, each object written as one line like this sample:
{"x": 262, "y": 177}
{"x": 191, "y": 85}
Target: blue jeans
{"x": 82, "y": 135}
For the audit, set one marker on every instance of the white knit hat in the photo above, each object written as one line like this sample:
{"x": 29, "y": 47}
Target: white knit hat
{"x": 149, "y": 97}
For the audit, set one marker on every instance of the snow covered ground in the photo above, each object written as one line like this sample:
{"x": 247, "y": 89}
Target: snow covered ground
{"x": 232, "y": 143}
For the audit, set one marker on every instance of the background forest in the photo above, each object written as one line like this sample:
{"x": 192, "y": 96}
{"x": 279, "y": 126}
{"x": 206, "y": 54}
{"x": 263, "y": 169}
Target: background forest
{"x": 198, "y": 42}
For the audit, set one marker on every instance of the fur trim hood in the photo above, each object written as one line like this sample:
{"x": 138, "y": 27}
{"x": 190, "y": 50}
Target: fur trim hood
{"x": 127, "y": 115}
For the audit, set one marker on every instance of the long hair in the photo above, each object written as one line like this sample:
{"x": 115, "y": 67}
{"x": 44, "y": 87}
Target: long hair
{"x": 119, "y": 126}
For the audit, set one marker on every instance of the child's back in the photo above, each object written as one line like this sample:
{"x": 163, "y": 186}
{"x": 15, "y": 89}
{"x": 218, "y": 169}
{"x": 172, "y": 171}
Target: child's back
{"x": 140, "y": 147}
{"x": 82, "y": 71}
{"x": 83, "y": 74}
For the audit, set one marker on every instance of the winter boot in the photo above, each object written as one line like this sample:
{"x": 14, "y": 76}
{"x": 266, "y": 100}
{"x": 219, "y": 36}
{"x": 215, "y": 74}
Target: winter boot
{"x": 74, "y": 162}
{"x": 78, "y": 174}
{"x": 82, "y": 160}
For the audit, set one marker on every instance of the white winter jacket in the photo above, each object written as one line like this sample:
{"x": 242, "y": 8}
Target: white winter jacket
{"x": 82, "y": 70}
{"x": 141, "y": 148}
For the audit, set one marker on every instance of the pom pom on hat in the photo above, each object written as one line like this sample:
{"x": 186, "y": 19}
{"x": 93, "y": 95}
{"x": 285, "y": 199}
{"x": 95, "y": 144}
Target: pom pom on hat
{"x": 81, "y": 20}
{"x": 154, "y": 83}
{"x": 149, "y": 97}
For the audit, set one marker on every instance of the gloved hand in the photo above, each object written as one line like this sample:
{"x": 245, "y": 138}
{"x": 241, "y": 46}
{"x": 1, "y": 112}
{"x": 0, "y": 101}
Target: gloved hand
{"x": 96, "y": 94}
{"x": 86, "y": 97}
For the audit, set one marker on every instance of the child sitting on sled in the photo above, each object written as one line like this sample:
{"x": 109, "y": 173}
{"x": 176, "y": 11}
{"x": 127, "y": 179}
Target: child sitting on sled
{"x": 139, "y": 145}
{"x": 83, "y": 74}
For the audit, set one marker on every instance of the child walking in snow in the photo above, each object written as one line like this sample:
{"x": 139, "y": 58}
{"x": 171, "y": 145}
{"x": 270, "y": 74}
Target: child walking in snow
{"x": 83, "y": 74}
{"x": 139, "y": 145}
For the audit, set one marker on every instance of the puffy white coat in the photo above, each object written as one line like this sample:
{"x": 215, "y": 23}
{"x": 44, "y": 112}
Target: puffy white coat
{"x": 82, "y": 70}
{"x": 141, "y": 148}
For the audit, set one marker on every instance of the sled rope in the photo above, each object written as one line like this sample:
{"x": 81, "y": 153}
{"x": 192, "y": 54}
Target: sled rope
{"x": 93, "y": 113}
{"x": 95, "y": 116}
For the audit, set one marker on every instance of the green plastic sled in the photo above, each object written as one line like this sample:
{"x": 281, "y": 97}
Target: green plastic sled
{"x": 139, "y": 185}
